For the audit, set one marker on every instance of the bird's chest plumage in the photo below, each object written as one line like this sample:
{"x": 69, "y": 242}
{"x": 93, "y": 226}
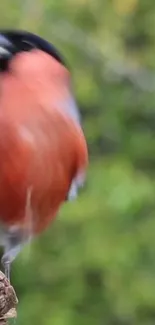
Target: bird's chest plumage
{"x": 38, "y": 149}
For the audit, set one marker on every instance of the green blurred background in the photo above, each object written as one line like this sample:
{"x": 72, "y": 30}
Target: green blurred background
{"x": 96, "y": 264}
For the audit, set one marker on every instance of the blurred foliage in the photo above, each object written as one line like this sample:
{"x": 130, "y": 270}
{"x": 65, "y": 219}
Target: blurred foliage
{"x": 96, "y": 265}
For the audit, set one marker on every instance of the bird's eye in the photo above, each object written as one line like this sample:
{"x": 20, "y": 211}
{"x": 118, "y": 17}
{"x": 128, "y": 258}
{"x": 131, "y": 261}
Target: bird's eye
{"x": 27, "y": 46}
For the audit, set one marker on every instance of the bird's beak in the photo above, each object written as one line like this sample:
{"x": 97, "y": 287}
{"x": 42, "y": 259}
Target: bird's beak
{"x": 5, "y": 48}
{"x": 4, "y": 53}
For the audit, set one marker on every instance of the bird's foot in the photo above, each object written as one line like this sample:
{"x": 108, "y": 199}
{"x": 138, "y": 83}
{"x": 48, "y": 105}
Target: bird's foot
{"x": 7, "y": 267}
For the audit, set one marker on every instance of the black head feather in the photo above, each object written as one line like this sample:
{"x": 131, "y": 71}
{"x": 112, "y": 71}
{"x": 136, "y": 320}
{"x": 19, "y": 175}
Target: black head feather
{"x": 14, "y": 41}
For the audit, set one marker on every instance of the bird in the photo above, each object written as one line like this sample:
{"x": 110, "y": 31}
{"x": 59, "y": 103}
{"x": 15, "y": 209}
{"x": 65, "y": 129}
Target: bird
{"x": 43, "y": 148}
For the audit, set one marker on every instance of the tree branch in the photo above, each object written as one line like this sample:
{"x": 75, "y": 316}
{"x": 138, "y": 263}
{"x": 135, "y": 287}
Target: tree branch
{"x": 8, "y": 300}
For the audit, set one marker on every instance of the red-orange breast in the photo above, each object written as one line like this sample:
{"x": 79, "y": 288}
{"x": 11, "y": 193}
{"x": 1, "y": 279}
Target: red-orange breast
{"x": 42, "y": 146}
